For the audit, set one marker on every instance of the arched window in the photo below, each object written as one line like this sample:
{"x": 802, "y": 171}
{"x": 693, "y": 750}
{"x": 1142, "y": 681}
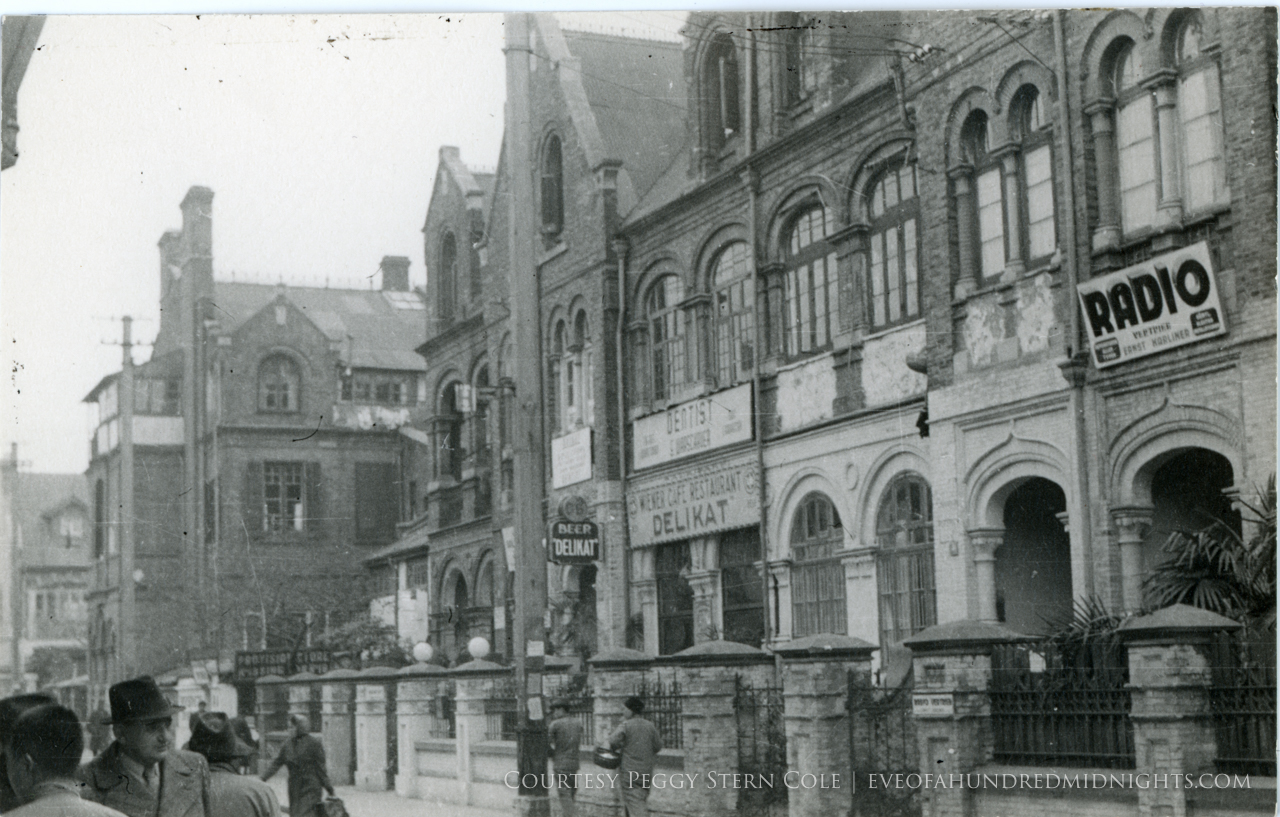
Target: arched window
{"x": 480, "y": 420}
{"x": 989, "y": 184}
{"x": 904, "y": 564}
{"x": 735, "y": 326}
{"x": 721, "y": 90}
{"x": 894, "y": 212}
{"x": 552, "y": 188}
{"x": 559, "y": 385}
{"x": 1035, "y": 176}
{"x": 448, "y": 287}
{"x": 812, "y": 297}
{"x": 450, "y": 442}
{"x": 817, "y": 577}
{"x": 584, "y": 360}
{"x": 800, "y": 79}
{"x": 1200, "y": 111}
{"x": 278, "y": 384}
{"x": 99, "y": 519}
{"x": 506, "y": 373}
{"x": 666, "y": 336}
{"x": 1135, "y": 141}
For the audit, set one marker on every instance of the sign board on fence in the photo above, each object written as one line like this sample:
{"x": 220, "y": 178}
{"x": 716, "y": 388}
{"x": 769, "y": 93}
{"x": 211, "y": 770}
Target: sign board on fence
{"x": 694, "y": 427}
{"x": 1152, "y": 307}
{"x": 255, "y": 664}
{"x": 574, "y": 542}
{"x": 924, "y": 704}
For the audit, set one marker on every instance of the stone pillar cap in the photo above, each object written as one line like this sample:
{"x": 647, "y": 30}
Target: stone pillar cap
{"x": 965, "y": 634}
{"x": 825, "y": 645}
{"x": 302, "y": 677}
{"x": 719, "y": 652}
{"x": 270, "y": 679}
{"x": 376, "y": 673}
{"x": 478, "y": 666}
{"x": 421, "y": 670}
{"x": 619, "y": 656}
{"x": 1177, "y": 619}
{"x": 339, "y": 674}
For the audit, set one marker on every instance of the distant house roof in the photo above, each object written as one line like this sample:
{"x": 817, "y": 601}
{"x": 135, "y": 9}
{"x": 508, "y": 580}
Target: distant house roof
{"x": 37, "y": 502}
{"x": 384, "y": 327}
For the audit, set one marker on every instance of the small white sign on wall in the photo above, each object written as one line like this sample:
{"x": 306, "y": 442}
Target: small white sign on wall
{"x": 924, "y": 704}
{"x": 571, "y": 458}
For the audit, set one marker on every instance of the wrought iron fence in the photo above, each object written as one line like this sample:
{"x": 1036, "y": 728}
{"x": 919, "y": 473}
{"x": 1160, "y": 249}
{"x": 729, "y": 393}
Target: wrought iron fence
{"x": 575, "y": 692}
{"x": 1243, "y": 702}
{"x": 443, "y": 724}
{"x": 662, "y": 706}
{"x": 762, "y": 749}
{"x": 882, "y": 742}
{"x": 1069, "y": 706}
{"x": 500, "y": 713}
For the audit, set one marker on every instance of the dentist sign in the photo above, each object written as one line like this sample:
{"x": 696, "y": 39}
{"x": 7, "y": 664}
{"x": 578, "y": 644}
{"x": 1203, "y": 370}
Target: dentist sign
{"x": 1158, "y": 305}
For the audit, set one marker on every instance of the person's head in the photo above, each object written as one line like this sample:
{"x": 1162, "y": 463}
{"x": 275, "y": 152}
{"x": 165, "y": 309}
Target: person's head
{"x": 216, "y": 739}
{"x": 11, "y": 709}
{"x": 559, "y": 709}
{"x": 298, "y": 726}
{"x": 46, "y": 744}
{"x": 202, "y": 706}
{"x": 141, "y": 719}
{"x": 634, "y": 705}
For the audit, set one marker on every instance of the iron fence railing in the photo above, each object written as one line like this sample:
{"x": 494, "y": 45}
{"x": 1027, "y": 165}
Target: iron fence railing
{"x": 500, "y": 713}
{"x": 443, "y": 724}
{"x": 762, "y": 748}
{"x": 576, "y": 693}
{"x": 1062, "y": 706}
{"x": 1243, "y": 703}
{"x": 662, "y": 706}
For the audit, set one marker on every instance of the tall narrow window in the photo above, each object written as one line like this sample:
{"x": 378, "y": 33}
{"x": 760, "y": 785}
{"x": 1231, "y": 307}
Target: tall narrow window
{"x": 552, "y": 188}
{"x": 282, "y": 507}
{"x": 741, "y": 589}
{"x": 817, "y": 579}
{"x": 278, "y": 384}
{"x": 583, "y": 359}
{"x": 1135, "y": 143}
{"x": 812, "y": 298}
{"x": 480, "y": 420}
{"x": 666, "y": 336}
{"x": 734, "y": 288}
{"x": 904, "y": 564}
{"x": 1200, "y": 112}
{"x": 559, "y": 386}
{"x": 450, "y": 444}
{"x": 894, "y": 289}
{"x": 448, "y": 286}
{"x": 1036, "y": 161}
{"x": 99, "y": 519}
{"x": 721, "y": 91}
{"x": 675, "y": 597}
{"x": 989, "y": 184}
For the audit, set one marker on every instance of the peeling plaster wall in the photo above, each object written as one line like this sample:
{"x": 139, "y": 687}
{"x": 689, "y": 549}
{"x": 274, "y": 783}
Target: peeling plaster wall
{"x": 1035, "y": 314}
{"x": 983, "y": 330}
{"x": 806, "y": 392}
{"x": 369, "y": 417}
{"x": 885, "y": 376}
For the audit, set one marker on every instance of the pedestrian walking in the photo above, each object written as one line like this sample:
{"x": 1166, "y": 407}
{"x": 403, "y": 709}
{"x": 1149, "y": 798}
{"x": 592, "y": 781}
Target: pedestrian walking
{"x": 231, "y": 794}
{"x": 41, "y": 759}
{"x": 11, "y": 709}
{"x": 140, "y": 773}
{"x": 564, "y": 738}
{"x": 638, "y": 741}
{"x": 303, "y": 754}
{"x": 249, "y": 763}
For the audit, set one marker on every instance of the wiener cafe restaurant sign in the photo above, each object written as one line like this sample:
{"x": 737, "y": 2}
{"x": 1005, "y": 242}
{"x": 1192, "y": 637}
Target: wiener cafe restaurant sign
{"x": 1158, "y": 305}
{"x": 694, "y": 427}
{"x": 694, "y": 502}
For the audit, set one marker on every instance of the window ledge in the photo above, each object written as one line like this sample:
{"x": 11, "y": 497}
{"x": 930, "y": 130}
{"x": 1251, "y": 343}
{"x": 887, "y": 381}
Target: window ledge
{"x": 898, "y": 327}
{"x": 798, "y": 362}
{"x": 555, "y": 252}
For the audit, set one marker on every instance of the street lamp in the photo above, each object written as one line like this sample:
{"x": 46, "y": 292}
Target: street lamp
{"x": 422, "y": 652}
{"x": 478, "y": 647}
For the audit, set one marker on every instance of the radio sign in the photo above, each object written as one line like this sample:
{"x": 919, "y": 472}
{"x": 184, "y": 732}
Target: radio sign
{"x": 1158, "y": 305}
{"x": 574, "y": 542}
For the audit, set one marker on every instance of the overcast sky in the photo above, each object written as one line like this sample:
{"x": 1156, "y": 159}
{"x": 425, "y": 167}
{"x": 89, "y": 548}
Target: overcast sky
{"x": 318, "y": 135}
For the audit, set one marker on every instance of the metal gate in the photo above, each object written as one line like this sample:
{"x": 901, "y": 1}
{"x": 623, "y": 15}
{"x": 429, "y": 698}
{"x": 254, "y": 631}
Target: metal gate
{"x": 882, "y": 741}
{"x": 762, "y": 749}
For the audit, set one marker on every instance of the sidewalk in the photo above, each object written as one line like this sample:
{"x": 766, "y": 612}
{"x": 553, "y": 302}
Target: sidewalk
{"x": 387, "y": 803}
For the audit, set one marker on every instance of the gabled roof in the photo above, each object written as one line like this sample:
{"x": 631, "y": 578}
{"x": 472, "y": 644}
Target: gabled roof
{"x": 384, "y": 327}
{"x": 37, "y": 501}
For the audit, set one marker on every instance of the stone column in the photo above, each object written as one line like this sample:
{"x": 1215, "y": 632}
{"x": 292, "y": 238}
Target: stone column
{"x": 704, "y": 580}
{"x": 1101, "y": 113}
{"x": 416, "y": 692}
{"x": 780, "y": 575}
{"x": 1132, "y": 523}
{"x": 1165, "y": 85}
{"x": 474, "y": 684}
{"x": 647, "y": 588}
{"x": 1170, "y": 676}
{"x": 1014, "y": 265}
{"x": 706, "y": 674}
{"x": 984, "y": 542}
{"x": 372, "y": 736}
{"x": 815, "y": 686}
{"x": 952, "y": 672}
{"x": 967, "y": 226}
{"x": 337, "y": 724}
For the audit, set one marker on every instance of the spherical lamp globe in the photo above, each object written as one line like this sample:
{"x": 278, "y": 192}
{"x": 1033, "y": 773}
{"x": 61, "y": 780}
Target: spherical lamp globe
{"x": 422, "y": 652}
{"x": 478, "y": 647}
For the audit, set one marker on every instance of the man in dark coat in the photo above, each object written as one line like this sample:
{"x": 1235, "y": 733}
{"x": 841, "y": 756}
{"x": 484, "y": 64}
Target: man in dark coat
{"x": 11, "y": 709}
{"x": 639, "y": 742}
{"x": 231, "y": 794}
{"x": 304, "y": 755}
{"x": 140, "y": 773}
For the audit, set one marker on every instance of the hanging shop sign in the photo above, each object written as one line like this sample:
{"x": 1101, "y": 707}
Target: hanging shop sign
{"x": 1152, "y": 307}
{"x": 695, "y": 502}
{"x": 571, "y": 458}
{"x": 573, "y": 542}
{"x": 700, "y": 425}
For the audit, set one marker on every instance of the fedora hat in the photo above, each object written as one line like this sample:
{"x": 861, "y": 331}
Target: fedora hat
{"x": 215, "y": 738}
{"x": 139, "y": 699}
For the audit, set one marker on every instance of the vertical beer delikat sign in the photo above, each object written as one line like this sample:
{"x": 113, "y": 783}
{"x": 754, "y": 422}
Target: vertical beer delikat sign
{"x": 1152, "y": 307}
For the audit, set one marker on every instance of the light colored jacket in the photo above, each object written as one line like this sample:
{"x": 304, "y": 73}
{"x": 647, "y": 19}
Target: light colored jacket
{"x": 232, "y": 794}
{"x": 184, "y": 785}
{"x": 639, "y": 742}
{"x": 57, "y": 799}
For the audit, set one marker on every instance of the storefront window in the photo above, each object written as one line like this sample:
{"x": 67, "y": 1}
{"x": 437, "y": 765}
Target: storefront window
{"x": 675, "y": 597}
{"x": 742, "y": 592}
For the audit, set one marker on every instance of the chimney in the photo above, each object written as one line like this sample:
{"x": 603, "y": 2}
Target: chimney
{"x": 196, "y": 253}
{"x": 395, "y": 273}
{"x": 170, "y": 264}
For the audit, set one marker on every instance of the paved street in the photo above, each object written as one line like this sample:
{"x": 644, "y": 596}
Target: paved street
{"x": 388, "y": 804}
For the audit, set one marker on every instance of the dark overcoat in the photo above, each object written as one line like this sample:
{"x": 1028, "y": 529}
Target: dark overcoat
{"x": 308, "y": 777}
{"x": 184, "y": 785}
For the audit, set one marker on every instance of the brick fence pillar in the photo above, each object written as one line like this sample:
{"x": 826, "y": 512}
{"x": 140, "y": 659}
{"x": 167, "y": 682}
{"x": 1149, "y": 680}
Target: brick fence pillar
{"x": 952, "y": 705}
{"x": 337, "y": 724}
{"x": 416, "y": 692}
{"x": 1170, "y": 677}
{"x": 815, "y": 687}
{"x": 707, "y": 675}
{"x": 303, "y": 697}
{"x": 475, "y": 683}
{"x": 372, "y": 756}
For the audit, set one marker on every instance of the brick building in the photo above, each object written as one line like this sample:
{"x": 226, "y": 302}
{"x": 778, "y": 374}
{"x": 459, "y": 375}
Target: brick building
{"x": 287, "y": 451}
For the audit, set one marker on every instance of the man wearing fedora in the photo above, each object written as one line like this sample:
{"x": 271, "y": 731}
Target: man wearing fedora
{"x": 140, "y": 773}
{"x": 230, "y": 793}
{"x": 303, "y": 754}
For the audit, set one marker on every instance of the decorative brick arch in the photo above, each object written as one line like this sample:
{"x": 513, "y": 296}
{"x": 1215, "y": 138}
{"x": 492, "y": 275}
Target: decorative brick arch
{"x": 711, "y": 244}
{"x": 898, "y": 460}
{"x": 660, "y": 266}
{"x": 1022, "y": 74}
{"x": 867, "y": 166}
{"x": 802, "y": 483}
{"x": 1139, "y": 450}
{"x": 1101, "y": 47}
{"x": 1167, "y": 23}
{"x": 802, "y": 190}
{"x": 974, "y": 99}
{"x": 1000, "y": 471}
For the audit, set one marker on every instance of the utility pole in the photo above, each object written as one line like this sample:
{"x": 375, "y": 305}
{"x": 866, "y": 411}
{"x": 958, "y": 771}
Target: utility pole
{"x": 530, "y": 555}
{"x": 127, "y": 657}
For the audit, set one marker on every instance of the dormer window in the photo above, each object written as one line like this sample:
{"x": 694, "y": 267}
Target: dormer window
{"x": 278, "y": 384}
